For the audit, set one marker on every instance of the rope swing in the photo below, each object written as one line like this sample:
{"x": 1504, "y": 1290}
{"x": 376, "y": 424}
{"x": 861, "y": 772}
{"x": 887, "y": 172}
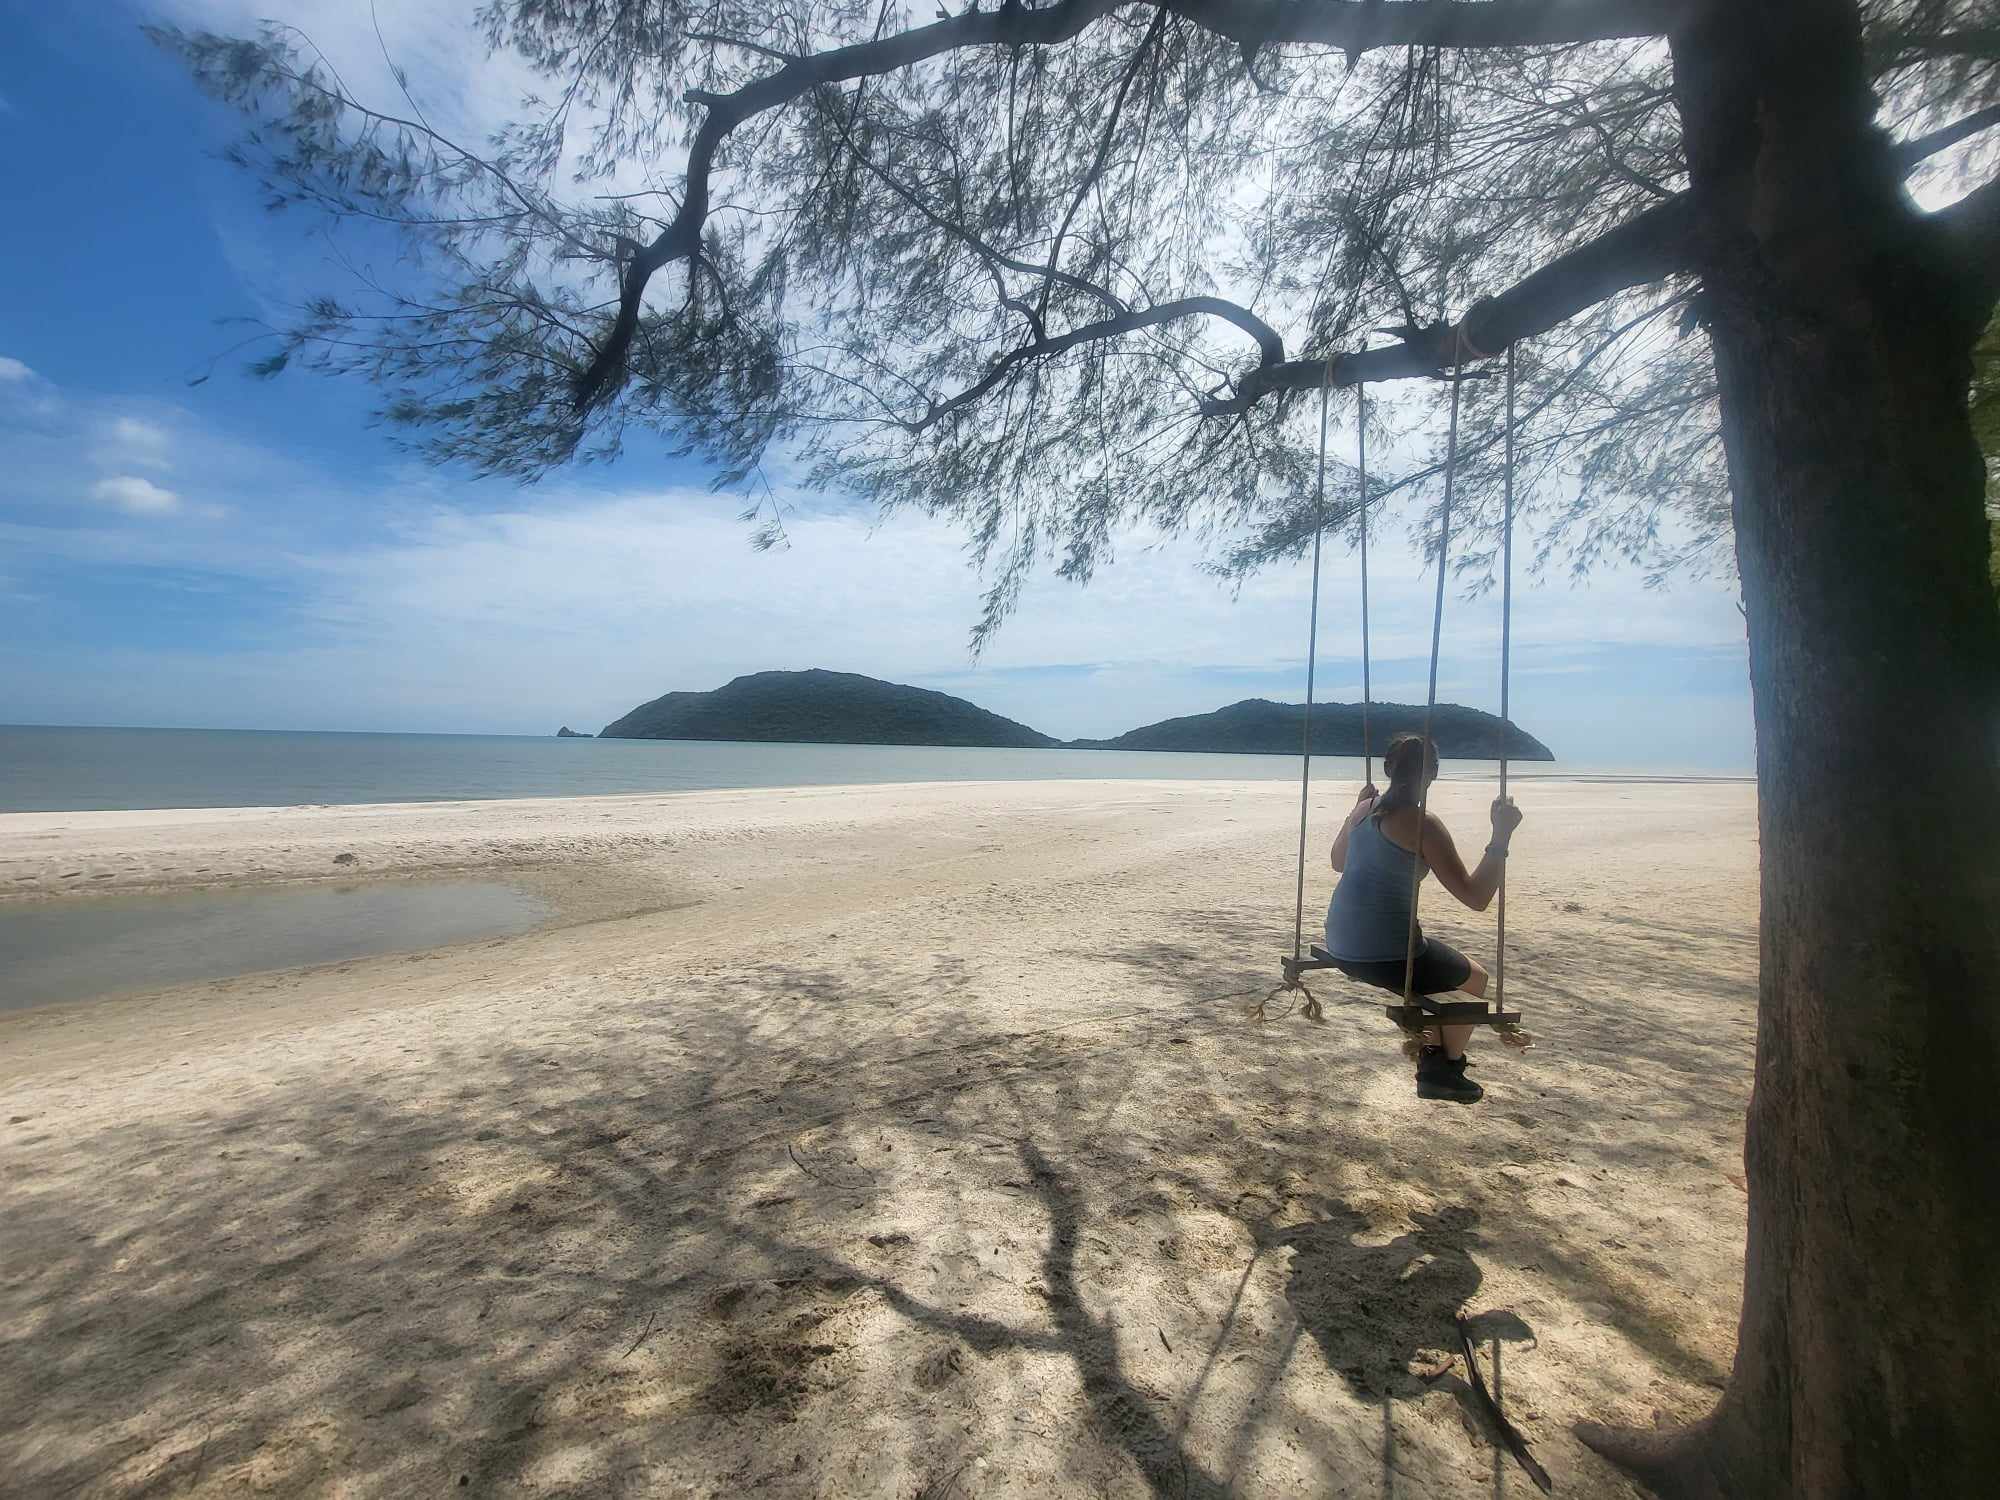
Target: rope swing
{"x": 1416, "y": 1012}
{"x": 1311, "y": 1006}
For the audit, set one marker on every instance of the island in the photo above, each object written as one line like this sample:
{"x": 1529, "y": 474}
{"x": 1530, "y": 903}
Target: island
{"x": 567, "y": 733}
{"x": 845, "y": 708}
{"x": 821, "y": 707}
{"x": 1257, "y": 726}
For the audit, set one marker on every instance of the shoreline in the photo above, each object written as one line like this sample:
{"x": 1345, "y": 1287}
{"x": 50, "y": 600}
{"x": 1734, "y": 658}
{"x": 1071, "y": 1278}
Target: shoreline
{"x": 135, "y": 842}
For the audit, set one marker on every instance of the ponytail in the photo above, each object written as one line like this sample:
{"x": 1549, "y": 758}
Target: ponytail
{"x": 1407, "y": 760}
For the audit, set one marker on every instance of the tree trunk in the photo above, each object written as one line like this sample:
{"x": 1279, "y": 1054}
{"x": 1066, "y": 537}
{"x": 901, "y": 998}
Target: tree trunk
{"x": 1868, "y": 1355}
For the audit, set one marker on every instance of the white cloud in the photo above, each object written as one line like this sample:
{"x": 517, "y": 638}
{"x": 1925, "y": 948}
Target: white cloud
{"x": 136, "y": 496}
{"x": 13, "y": 369}
{"x": 141, "y": 442}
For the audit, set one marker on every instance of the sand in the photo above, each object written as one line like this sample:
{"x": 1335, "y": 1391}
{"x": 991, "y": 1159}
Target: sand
{"x": 890, "y": 1140}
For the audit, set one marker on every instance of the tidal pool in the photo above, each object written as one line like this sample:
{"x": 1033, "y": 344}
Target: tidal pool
{"x": 79, "y": 950}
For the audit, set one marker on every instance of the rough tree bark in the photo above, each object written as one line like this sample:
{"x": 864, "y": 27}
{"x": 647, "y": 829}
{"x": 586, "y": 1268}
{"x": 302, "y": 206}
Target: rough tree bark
{"x": 1869, "y": 1348}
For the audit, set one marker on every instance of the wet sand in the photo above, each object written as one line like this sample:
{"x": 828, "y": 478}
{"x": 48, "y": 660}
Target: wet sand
{"x": 900, "y": 1140}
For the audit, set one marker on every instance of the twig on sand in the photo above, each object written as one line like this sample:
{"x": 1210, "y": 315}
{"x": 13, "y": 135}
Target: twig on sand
{"x": 201, "y": 1458}
{"x": 1163, "y": 1338}
{"x": 1516, "y": 1444}
{"x": 651, "y": 1318}
{"x": 943, "y": 1487}
{"x": 792, "y": 1150}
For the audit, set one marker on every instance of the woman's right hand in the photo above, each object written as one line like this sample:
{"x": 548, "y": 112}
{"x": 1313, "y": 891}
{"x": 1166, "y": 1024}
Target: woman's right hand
{"x": 1506, "y": 818}
{"x": 1361, "y": 805}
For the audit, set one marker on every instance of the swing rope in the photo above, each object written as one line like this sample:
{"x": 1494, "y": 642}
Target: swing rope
{"x": 1361, "y": 466}
{"x": 1312, "y": 659}
{"x": 1506, "y": 657}
{"x": 1430, "y": 702}
{"x": 1310, "y": 1007}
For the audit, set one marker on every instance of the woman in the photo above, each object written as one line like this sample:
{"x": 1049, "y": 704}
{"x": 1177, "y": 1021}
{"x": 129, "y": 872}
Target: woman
{"x": 1385, "y": 840}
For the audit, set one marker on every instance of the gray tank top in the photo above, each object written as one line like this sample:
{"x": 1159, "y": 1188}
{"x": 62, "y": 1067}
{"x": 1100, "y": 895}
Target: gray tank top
{"x": 1368, "y": 919}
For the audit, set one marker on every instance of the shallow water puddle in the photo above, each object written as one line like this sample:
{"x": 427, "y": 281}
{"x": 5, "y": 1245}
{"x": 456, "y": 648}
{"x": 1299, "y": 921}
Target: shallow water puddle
{"x": 52, "y": 952}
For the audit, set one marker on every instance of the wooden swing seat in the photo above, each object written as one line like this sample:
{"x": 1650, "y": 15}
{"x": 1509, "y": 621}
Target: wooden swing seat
{"x": 1425, "y": 1010}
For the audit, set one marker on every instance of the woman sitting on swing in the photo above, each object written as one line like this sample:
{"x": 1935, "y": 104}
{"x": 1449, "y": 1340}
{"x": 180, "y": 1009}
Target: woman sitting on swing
{"x": 1385, "y": 840}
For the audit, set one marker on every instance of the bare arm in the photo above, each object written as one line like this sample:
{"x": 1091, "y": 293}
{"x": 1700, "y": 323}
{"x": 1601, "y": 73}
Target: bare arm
{"x": 1363, "y": 805}
{"x": 1475, "y": 888}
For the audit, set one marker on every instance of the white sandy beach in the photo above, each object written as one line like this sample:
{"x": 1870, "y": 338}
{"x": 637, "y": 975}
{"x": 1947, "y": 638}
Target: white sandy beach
{"x": 896, "y": 1140}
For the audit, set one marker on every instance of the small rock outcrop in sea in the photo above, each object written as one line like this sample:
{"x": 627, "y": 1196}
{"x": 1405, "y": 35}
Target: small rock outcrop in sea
{"x": 1257, "y": 726}
{"x": 567, "y": 733}
{"x": 827, "y": 708}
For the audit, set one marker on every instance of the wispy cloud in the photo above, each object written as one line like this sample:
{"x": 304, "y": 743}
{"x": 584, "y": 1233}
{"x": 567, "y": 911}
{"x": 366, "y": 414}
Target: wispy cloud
{"x": 117, "y": 441}
{"x": 136, "y": 496}
{"x": 137, "y": 441}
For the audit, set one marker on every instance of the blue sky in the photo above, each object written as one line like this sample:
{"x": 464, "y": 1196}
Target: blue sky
{"x": 254, "y": 554}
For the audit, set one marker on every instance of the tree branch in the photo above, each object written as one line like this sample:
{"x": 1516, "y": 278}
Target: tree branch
{"x": 1097, "y": 163}
{"x": 716, "y": 40}
{"x": 1895, "y": 47}
{"x": 1911, "y": 154}
{"x": 1655, "y": 244}
{"x": 1151, "y": 317}
{"x": 1011, "y": 25}
{"x": 1359, "y": 25}
{"x": 1356, "y": 25}
{"x": 958, "y": 231}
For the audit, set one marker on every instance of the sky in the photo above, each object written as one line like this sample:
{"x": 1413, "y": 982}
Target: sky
{"x": 255, "y": 554}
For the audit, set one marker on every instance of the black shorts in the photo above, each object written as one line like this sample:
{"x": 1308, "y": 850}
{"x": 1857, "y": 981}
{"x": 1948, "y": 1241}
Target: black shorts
{"x": 1441, "y": 969}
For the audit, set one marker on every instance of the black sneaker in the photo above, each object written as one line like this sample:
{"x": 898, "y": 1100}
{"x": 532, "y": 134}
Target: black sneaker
{"x": 1441, "y": 1077}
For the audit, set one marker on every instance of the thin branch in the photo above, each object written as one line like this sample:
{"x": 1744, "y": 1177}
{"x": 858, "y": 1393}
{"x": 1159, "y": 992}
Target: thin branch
{"x": 1097, "y": 162}
{"x": 1131, "y": 322}
{"x": 1008, "y": 26}
{"x": 714, "y": 39}
{"x": 959, "y": 231}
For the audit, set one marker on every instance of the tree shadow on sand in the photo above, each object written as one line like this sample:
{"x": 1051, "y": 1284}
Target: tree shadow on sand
{"x": 1381, "y": 1310}
{"x": 1384, "y": 1314}
{"x": 548, "y": 1257}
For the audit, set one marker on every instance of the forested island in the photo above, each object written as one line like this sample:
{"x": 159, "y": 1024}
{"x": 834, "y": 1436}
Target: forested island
{"x": 846, "y": 708}
{"x": 1257, "y": 726}
{"x": 827, "y": 708}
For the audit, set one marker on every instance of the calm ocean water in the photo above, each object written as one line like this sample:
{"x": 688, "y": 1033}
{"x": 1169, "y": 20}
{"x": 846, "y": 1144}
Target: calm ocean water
{"x": 65, "y": 770}
{"x": 53, "y": 951}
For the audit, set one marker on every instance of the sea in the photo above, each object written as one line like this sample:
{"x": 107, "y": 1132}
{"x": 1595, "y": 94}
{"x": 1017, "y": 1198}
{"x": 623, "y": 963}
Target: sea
{"x": 55, "y": 769}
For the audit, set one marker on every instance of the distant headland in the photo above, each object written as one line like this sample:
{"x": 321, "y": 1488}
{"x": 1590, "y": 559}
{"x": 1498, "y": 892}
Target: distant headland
{"x": 1257, "y": 726}
{"x": 827, "y": 708}
{"x": 846, "y": 708}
